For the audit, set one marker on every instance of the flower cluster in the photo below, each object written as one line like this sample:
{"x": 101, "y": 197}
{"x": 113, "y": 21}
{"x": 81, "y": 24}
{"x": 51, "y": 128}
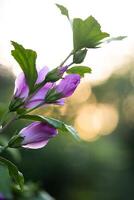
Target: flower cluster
{"x": 37, "y": 134}
{"x": 50, "y": 92}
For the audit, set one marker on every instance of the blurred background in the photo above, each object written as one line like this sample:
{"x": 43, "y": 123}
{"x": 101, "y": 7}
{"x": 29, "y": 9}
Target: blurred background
{"x": 101, "y": 166}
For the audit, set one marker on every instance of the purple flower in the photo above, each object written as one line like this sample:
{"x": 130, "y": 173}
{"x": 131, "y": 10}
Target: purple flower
{"x": 68, "y": 85}
{"x": 50, "y": 92}
{"x": 2, "y": 197}
{"x": 37, "y": 135}
{"x": 65, "y": 88}
{"x": 39, "y": 97}
{"x": 42, "y": 74}
{"x": 21, "y": 89}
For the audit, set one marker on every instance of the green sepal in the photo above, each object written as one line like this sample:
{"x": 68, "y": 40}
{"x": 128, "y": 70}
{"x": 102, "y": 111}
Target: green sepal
{"x": 79, "y": 56}
{"x": 52, "y": 96}
{"x": 54, "y": 75}
{"x": 15, "y": 141}
{"x": 15, "y": 103}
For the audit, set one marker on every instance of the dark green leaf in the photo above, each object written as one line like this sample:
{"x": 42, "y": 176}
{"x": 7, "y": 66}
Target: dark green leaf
{"x": 81, "y": 70}
{"x": 87, "y": 33}
{"x": 27, "y": 61}
{"x": 5, "y": 183}
{"x": 54, "y": 122}
{"x": 14, "y": 172}
{"x": 79, "y": 56}
{"x": 115, "y": 38}
{"x": 63, "y": 10}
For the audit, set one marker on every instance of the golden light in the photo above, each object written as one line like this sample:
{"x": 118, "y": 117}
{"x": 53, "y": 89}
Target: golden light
{"x": 95, "y": 120}
{"x": 82, "y": 93}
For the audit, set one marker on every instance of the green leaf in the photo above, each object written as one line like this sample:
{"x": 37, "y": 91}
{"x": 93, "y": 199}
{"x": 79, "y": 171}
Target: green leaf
{"x": 81, "y": 70}
{"x": 115, "y": 39}
{"x": 79, "y": 56}
{"x": 27, "y": 61}
{"x": 61, "y": 126}
{"x": 13, "y": 171}
{"x": 63, "y": 10}
{"x": 87, "y": 33}
{"x": 5, "y": 183}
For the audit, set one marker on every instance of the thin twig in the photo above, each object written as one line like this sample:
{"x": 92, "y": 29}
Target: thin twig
{"x": 8, "y": 124}
{"x": 66, "y": 59}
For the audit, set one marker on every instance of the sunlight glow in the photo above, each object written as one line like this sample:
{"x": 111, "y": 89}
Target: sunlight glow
{"x": 95, "y": 120}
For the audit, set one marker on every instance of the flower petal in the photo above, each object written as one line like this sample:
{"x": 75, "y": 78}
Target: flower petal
{"x": 42, "y": 74}
{"x": 39, "y": 97}
{"x": 37, "y": 134}
{"x": 36, "y": 145}
{"x": 21, "y": 88}
{"x": 68, "y": 85}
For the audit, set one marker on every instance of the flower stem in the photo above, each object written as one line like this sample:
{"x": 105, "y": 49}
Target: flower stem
{"x": 4, "y": 117}
{"x": 70, "y": 64}
{"x": 8, "y": 124}
{"x": 63, "y": 62}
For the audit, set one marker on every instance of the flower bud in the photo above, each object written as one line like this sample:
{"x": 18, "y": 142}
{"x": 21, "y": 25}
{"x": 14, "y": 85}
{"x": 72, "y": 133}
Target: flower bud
{"x": 55, "y": 74}
{"x": 21, "y": 92}
{"x": 65, "y": 88}
{"x": 21, "y": 88}
{"x": 37, "y": 135}
{"x": 68, "y": 85}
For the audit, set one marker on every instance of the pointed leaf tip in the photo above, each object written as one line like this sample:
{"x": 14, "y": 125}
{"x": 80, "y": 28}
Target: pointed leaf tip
{"x": 64, "y": 10}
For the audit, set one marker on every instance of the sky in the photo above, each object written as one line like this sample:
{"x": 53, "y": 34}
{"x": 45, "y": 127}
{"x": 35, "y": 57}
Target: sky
{"x": 38, "y": 24}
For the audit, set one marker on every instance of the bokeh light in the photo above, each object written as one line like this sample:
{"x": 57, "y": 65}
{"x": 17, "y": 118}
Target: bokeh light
{"x": 95, "y": 120}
